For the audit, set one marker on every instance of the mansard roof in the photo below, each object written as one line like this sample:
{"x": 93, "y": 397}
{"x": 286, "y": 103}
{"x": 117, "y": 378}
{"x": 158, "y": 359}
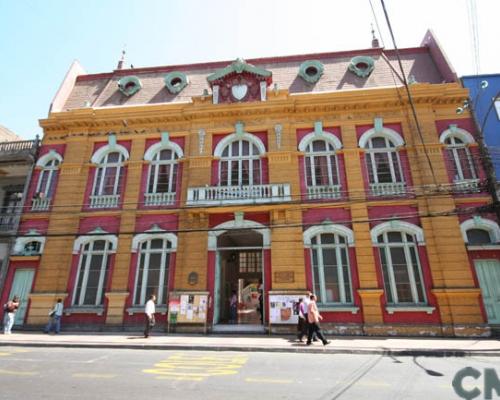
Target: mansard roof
{"x": 424, "y": 64}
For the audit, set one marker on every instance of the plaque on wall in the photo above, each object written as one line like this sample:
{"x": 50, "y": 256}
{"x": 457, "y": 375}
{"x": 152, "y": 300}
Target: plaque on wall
{"x": 284, "y": 277}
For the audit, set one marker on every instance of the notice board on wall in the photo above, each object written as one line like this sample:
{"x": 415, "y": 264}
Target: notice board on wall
{"x": 284, "y": 307}
{"x": 188, "y": 307}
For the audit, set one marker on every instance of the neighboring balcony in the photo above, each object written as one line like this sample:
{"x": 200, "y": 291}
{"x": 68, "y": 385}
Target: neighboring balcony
{"x": 8, "y": 223}
{"x": 324, "y": 192}
{"x": 388, "y": 189}
{"x": 159, "y": 199}
{"x": 255, "y": 194}
{"x": 104, "y": 201}
{"x": 40, "y": 204}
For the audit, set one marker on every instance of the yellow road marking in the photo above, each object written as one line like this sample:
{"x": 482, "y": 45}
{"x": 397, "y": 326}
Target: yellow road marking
{"x": 94, "y": 376}
{"x": 5, "y": 354}
{"x": 265, "y": 380}
{"x": 189, "y": 367}
{"x": 20, "y": 373}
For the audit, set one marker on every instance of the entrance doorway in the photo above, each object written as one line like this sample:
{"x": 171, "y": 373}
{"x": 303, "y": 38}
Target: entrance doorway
{"x": 488, "y": 273}
{"x": 239, "y": 277}
{"x": 21, "y": 287}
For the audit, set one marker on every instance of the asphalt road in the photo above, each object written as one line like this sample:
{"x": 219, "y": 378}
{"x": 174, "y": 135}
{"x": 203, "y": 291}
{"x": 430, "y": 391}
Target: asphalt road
{"x": 61, "y": 373}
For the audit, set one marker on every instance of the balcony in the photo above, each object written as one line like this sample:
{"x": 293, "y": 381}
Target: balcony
{"x": 323, "y": 192}
{"x": 466, "y": 186}
{"x": 41, "y": 204}
{"x": 159, "y": 199}
{"x": 19, "y": 150}
{"x": 104, "y": 201}
{"x": 223, "y": 195}
{"x": 8, "y": 223}
{"x": 388, "y": 189}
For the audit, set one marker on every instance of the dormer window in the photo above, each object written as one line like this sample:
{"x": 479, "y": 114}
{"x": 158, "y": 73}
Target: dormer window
{"x": 239, "y": 82}
{"x": 129, "y": 85}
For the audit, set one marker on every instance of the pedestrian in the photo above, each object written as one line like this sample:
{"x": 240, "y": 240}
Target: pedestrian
{"x": 149, "y": 315}
{"x": 260, "y": 291}
{"x": 307, "y": 300}
{"x": 10, "y": 309}
{"x": 314, "y": 317}
{"x": 233, "y": 308}
{"x": 302, "y": 325}
{"x": 55, "y": 316}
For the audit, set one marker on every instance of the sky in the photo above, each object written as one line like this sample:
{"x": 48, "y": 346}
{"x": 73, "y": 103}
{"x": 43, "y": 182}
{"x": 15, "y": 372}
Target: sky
{"x": 40, "y": 39}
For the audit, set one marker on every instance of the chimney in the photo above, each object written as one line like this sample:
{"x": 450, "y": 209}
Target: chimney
{"x": 122, "y": 60}
{"x": 375, "y": 43}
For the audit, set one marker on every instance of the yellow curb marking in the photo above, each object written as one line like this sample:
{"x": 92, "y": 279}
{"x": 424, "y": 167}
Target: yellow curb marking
{"x": 5, "y": 354}
{"x": 20, "y": 373}
{"x": 264, "y": 380}
{"x": 94, "y": 376}
{"x": 196, "y": 368}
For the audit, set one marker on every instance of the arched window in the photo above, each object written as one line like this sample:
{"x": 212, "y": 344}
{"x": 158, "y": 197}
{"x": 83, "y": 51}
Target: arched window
{"x": 163, "y": 172}
{"x": 32, "y": 248}
{"x": 331, "y": 269}
{"x": 321, "y": 164}
{"x": 152, "y": 270}
{"x": 460, "y": 157}
{"x": 109, "y": 174}
{"x": 240, "y": 164}
{"x": 383, "y": 162}
{"x": 92, "y": 274}
{"x": 47, "y": 179}
{"x": 478, "y": 237}
{"x": 401, "y": 268}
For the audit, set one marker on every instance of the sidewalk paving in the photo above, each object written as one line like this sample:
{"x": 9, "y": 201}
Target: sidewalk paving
{"x": 259, "y": 343}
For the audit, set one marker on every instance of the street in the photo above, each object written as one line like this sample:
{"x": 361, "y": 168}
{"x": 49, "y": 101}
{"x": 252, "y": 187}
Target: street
{"x": 63, "y": 373}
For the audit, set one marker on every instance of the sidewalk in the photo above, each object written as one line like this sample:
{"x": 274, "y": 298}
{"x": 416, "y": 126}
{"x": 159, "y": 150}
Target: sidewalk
{"x": 262, "y": 343}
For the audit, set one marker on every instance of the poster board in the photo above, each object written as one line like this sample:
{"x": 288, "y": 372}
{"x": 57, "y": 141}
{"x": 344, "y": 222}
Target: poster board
{"x": 283, "y": 307}
{"x": 187, "y": 308}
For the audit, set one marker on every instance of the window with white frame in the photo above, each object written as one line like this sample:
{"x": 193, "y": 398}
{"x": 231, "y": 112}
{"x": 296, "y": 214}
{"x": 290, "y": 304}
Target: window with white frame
{"x": 163, "y": 172}
{"x": 331, "y": 269}
{"x": 46, "y": 182}
{"x": 32, "y": 248}
{"x": 92, "y": 273}
{"x": 152, "y": 271}
{"x": 109, "y": 174}
{"x": 460, "y": 157}
{"x": 321, "y": 164}
{"x": 476, "y": 236}
{"x": 240, "y": 164}
{"x": 401, "y": 268}
{"x": 383, "y": 161}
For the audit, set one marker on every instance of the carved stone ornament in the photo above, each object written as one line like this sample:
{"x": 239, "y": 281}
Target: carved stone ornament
{"x": 239, "y": 91}
{"x": 201, "y": 139}
{"x": 278, "y": 130}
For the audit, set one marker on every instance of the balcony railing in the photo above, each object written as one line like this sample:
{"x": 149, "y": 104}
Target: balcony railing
{"x": 466, "y": 186}
{"x": 40, "y": 204}
{"x": 159, "y": 199}
{"x": 388, "y": 189}
{"x": 255, "y": 194}
{"x": 104, "y": 201}
{"x": 13, "y": 147}
{"x": 323, "y": 192}
{"x": 8, "y": 223}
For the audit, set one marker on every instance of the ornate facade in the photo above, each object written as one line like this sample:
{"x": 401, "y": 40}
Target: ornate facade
{"x": 303, "y": 173}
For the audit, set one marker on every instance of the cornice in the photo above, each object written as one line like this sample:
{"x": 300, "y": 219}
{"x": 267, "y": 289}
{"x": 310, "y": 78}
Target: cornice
{"x": 350, "y": 104}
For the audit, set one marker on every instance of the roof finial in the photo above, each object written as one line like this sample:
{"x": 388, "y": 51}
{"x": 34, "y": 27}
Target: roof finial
{"x": 375, "y": 43}
{"x": 122, "y": 59}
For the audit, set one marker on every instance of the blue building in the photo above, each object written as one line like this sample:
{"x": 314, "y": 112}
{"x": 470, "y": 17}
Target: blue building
{"x": 485, "y": 99}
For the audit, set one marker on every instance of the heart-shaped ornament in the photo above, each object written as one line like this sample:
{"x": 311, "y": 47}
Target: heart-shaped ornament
{"x": 239, "y": 91}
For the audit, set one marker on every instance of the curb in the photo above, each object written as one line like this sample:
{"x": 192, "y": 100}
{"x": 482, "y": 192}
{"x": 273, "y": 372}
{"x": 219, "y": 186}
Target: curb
{"x": 297, "y": 349}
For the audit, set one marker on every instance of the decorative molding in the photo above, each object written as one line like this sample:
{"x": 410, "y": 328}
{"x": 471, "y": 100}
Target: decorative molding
{"x": 327, "y": 136}
{"x": 84, "y": 239}
{"x": 485, "y": 224}
{"x": 176, "y": 81}
{"x": 361, "y": 66}
{"x": 102, "y": 151}
{"x": 243, "y": 136}
{"x": 155, "y": 148}
{"x": 218, "y": 230}
{"x": 388, "y": 133}
{"x": 279, "y": 158}
{"x": 129, "y": 85}
{"x": 154, "y": 234}
{"x": 201, "y": 140}
{"x": 200, "y": 162}
{"x": 311, "y": 71}
{"x": 400, "y": 226}
{"x": 47, "y": 157}
{"x": 278, "y": 131}
{"x": 462, "y": 134}
{"x": 335, "y": 229}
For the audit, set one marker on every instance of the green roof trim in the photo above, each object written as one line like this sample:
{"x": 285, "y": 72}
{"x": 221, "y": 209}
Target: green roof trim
{"x": 311, "y": 71}
{"x": 129, "y": 85}
{"x": 362, "y": 66}
{"x": 237, "y": 67}
{"x": 175, "y": 81}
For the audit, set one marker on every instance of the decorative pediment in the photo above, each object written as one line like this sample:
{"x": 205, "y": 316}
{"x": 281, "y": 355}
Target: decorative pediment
{"x": 239, "y": 82}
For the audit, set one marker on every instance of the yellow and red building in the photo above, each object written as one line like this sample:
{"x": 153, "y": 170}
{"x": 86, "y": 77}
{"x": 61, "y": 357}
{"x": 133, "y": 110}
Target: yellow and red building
{"x": 303, "y": 172}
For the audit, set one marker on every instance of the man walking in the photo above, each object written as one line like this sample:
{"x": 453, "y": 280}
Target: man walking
{"x": 149, "y": 315}
{"x": 55, "y": 316}
{"x": 10, "y": 309}
{"x": 314, "y": 317}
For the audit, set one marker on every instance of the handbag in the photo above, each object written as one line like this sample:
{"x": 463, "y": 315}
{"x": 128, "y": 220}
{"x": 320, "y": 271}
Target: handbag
{"x": 152, "y": 321}
{"x": 52, "y": 314}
